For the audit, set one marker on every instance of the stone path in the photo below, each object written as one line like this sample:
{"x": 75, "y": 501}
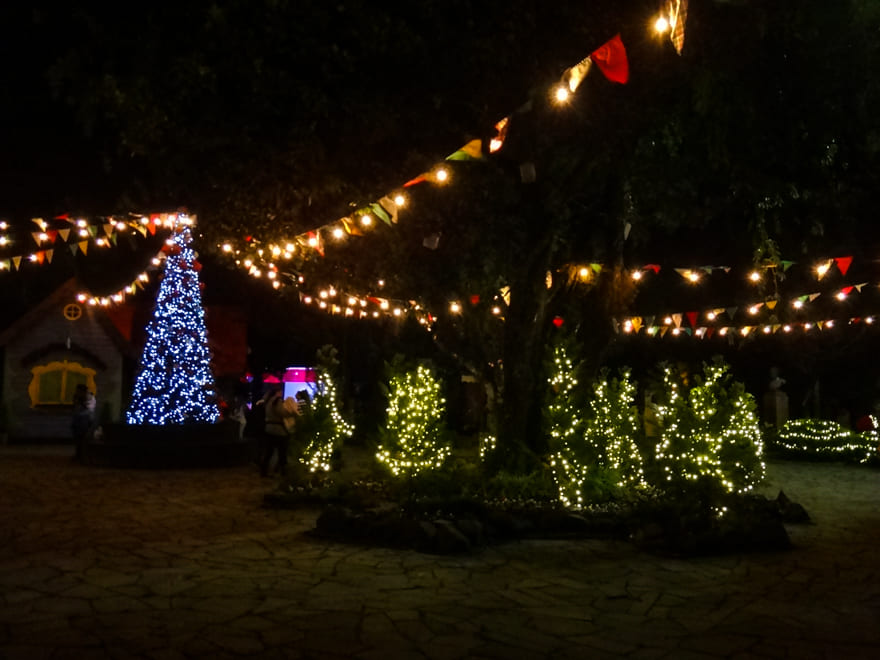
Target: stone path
{"x": 100, "y": 563}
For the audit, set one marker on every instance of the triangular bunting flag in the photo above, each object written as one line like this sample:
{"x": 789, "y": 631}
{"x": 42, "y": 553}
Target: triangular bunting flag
{"x": 820, "y": 324}
{"x": 726, "y": 269}
{"x": 377, "y": 208}
{"x": 654, "y": 267}
{"x": 41, "y": 257}
{"x": 731, "y": 311}
{"x": 847, "y": 290}
{"x": 676, "y": 319}
{"x": 151, "y": 227}
{"x": 709, "y": 332}
{"x": 610, "y": 57}
{"x": 692, "y": 318}
{"x": 49, "y": 254}
{"x": 663, "y": 330}
{"x": 859, "y": 286}
{"x": 786, "y": 265}
{"x": 141, "y": 229}
{"x": 597, "y": 268}
{"x": 39, "y": 222}
{"x": 108, "y": 228}
{"x": 64, "y": 233}
{"x": 391, "y": 206}
{"x": 36, "y": 237}
{"x": 473, "y": 150}
{"x": 573, "y": 76}
{"x": 421, "y": 178}
{"x": 497, "y": 142}
{"x": 114, "y": 238}
{"x": 823, "y": 268}
{"x": 813, "y": 296}
{"x": 684, "y": 272}
{"x": 16, "y": 261}
{"x": 83, "y": 247}
{"x": 676, "y": 15}
{"x": 689, "y": 331}
{"x": 776, "y": 327}
{"x": 53, "y": 235}
{"x": 771, "y": 304}
{"x": 72, "y": 248}
{"x": 636, "y": 323}
{"x": 843, "y": 263}
{"x": 746, "y": 329}
{"x": 93, "y": 230}
{"x": 649, "y": 320}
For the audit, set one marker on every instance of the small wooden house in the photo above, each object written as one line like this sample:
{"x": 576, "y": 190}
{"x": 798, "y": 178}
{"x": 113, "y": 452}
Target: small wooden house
{"x": 60, "y": 343}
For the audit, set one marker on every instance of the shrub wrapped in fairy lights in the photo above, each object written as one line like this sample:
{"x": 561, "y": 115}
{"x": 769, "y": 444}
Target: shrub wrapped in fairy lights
{"x": 327, "y": 429}
{"x": 707, "y": 430}
{"x": 820, "y": 439}
{"x": 564, "y": 424}
{"x": 414, "y": 438}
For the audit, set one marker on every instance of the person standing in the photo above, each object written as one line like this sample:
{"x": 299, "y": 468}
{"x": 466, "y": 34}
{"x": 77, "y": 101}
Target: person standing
{"x": 83, "y": 421}
{"x": 280, "y": 421}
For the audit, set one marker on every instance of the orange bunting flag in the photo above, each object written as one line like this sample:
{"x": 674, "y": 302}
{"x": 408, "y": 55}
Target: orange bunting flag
{"x": 636, "y": 323}
{"x": 843, "y": 263}
{"x": 771, "y": 304}
{"x": 421, "y": 178}
{"x": 575, "y": 75}
{"x": 610, "y": 57}
{"x": 498, "y": 141}
{"x": 41, "y": 257}
{"x": 83, "y": 247}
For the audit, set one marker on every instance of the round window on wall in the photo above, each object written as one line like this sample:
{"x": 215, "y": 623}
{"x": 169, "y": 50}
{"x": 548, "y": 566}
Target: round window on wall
{"x": 72, "y": 312}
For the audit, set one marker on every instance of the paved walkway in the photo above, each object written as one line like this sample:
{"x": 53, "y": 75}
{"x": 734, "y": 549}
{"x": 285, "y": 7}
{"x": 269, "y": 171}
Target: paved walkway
{"x": 101, "y": 563}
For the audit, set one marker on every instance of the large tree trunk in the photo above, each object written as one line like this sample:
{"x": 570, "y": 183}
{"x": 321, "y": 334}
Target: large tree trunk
{"x": 520, "y": 440}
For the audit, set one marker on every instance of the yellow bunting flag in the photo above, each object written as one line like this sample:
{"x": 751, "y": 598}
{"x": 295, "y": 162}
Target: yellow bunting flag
{"x": 64, "y": 233}
{"x": 16, "y": 261}
{"x": 663, "y": 330}
{"x": 636, "y": 323}
{"x": 676, "y": 318}
{"x": 83, "y": 247}
{"x": 771, "y": 304}
{"x": 576, "y": 74}
{"x": 108, "y": 228}
{"x": 473, "y": 150}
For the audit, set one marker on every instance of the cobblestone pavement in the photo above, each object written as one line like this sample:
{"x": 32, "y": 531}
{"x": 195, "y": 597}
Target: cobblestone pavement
{"x": 101, "y": 563}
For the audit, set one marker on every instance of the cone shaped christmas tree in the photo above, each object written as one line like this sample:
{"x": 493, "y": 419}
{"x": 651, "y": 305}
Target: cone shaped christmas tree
{"x": 175, "y": 384}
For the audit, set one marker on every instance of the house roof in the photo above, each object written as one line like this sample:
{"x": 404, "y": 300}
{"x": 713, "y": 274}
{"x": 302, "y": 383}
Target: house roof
{"x": 66, "y": 293}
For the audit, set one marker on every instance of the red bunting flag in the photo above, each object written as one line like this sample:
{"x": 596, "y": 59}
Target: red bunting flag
{"x": 654, "y": 267}
{"x": 692, "y": 318}
{"x": 611, "y": 60}
{"x": 843, "y": 263}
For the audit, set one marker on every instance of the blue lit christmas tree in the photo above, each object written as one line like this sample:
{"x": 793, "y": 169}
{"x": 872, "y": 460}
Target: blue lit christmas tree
{"x": 175, "y": 384}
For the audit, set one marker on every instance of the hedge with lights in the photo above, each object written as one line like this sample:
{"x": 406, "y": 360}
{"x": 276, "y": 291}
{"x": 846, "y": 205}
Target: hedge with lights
{"x": 819, "y": 439}
{"x": 414, "y": 438}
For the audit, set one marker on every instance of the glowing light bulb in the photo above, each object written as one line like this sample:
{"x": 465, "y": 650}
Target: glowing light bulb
{"x": 313, "y": 241}
{"x": 668, "y": 320}
{"x": 338, "y": 232}
{"x": 561, "y": 94}
{"x": 755, "y": 276}
{"x": 711, "y": 316}
{"x": 366, "y": 219}
{"x": 821, "y": 269}
{"x": 496, "y": 311}
{"x": 227, "y": 247}
{"x": 661, "y": 25}
{"x": 455, "y": 308}
{"x": 693, "y": 277}
{"x": 841, "y": 295}
{"x": 786, "y": 328}
{"x": 584, "y": 273}
{"x": 442, "y": 175}
{"x": 797, "y": 304}
{"x": 637, "y": 275}
{"x": 829, "y": 324}
{"x": 754, "y": 309}
{"x": 400, "y": 200}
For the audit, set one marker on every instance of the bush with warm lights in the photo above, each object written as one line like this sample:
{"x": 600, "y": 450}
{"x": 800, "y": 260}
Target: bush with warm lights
{"x": 707, "y": 430}
{"x": 322, "y": 427}
{"x": 414, "y": 438}
{"x": 824, "y": 440}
